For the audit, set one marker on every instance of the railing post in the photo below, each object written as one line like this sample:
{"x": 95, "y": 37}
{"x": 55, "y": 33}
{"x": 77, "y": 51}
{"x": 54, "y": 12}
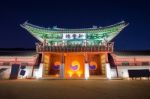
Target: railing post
{"x": 112, "y": 46}
{"x": 76, "y": 48}
{"x": 36, "y": 44}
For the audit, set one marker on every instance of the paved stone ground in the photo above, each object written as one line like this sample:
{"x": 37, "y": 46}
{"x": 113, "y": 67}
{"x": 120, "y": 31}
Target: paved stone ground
{"x": 74, "y": 89}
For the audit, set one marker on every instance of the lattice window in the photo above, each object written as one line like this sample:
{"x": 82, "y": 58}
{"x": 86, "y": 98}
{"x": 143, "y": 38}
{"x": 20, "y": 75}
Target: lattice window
{"x": 145, "y": 63}
{"x": 6, "y": 63}
{"x": 125, "y": 63}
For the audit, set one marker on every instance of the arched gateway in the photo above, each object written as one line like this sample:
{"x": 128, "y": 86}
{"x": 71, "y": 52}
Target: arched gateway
{"x": 74, "y": 53}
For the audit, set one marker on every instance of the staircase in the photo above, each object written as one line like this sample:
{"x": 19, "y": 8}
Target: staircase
{"x": 2, "y": 70}
{"x": 111, "y": 61}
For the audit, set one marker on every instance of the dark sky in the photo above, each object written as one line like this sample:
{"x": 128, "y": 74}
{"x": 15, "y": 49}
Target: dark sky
{"x": 75, "y": 14}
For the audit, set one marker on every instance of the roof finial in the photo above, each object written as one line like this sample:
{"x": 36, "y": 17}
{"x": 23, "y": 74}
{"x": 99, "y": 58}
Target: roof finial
{"x": 55, "y": 27}
{"x": 94, "y": 26}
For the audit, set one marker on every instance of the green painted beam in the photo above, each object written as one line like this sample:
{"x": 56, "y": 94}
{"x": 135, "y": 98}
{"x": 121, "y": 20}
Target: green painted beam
{"x": 56, "y": 34}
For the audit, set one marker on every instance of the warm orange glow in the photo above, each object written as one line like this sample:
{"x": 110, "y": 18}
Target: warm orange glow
{"x": 57, "y": 75}
{"x": 93, "y": 63}
{"x": 70, "y": 73}
{"x": 74, "y": 65}
{"x": 78, "y": 73}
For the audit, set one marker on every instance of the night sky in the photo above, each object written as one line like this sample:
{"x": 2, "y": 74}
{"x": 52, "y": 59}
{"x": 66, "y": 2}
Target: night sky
{"x": 75, "y": 14}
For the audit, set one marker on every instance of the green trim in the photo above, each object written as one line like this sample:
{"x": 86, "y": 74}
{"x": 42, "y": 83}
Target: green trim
{"x": 56, "y": 34}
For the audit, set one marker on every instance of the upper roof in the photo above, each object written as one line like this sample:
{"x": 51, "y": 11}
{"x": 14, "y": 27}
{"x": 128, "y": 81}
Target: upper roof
{"x": 54, "y": 29}
{"x": 56, "y": 34}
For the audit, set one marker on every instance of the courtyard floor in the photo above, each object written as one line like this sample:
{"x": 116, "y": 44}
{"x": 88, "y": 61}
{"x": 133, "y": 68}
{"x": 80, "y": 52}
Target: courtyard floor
{"x": 74, "y": 89}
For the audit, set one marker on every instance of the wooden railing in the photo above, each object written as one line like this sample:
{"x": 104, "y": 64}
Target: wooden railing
{"x": 75, "y": 48}
{"x": 132, "y": 64}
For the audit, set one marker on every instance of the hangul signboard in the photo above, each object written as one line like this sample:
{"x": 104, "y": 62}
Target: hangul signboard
{"x": 68, "y": 36}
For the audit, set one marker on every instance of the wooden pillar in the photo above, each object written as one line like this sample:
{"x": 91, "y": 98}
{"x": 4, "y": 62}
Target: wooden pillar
{"x": 61, "y": 71}
{"x": 46, "y": 63}
{"x": 103, "y": 61}
{"x": 86, "y": 67}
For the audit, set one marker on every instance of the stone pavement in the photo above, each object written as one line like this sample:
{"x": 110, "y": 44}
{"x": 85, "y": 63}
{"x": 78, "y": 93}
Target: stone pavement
{"x": 74, "y": 89}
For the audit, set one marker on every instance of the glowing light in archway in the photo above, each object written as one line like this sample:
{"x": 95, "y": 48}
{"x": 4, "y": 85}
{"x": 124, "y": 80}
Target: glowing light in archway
{"x": 92, "y": 65}
{"x": 75, "y": 66}
{"x": 56, "y": 65}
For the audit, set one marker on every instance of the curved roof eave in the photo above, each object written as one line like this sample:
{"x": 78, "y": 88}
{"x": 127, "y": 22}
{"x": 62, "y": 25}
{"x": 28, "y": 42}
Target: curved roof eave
{"x": 37, "y": 31}
{"x": 26, "y": 24}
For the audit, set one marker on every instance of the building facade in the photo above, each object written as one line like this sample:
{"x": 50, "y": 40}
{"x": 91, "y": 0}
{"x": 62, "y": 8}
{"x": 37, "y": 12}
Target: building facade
{"x": 17, "y": 64}
{"x": 74, "y": 53}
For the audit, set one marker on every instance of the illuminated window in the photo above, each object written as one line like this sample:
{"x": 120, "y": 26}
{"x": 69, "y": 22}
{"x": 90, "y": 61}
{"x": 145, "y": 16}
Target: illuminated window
{"x": 6, "y": 63}
{"x": 125, "y": 63}
{"x": 24, "y": 64}
{"x": 145, "y": 63}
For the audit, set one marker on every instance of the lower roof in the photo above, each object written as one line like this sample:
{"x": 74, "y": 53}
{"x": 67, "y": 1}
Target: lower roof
{"x": 17, "y": 52}
{"x": 32, "y": 52}
{"x": 132, "y": 53}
